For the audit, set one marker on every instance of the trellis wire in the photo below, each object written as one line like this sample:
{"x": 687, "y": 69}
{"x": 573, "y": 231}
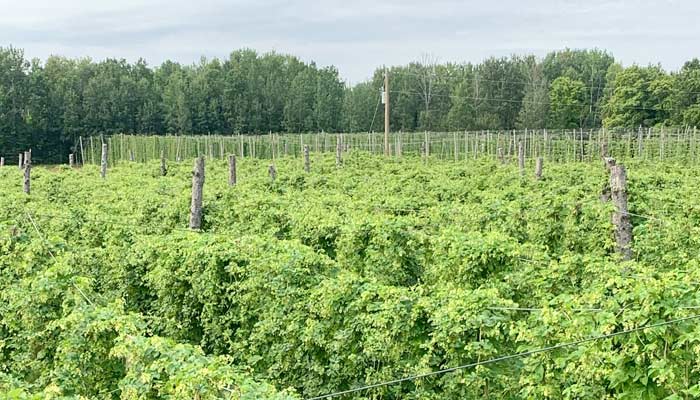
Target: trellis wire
{"x": 677, "y": 144}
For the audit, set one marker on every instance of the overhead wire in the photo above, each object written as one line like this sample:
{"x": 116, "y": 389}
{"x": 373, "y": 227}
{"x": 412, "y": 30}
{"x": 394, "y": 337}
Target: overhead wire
{"x": 504, "y": 358}
{"x": 522, "y": 101}
{"x": 477, "y": 78}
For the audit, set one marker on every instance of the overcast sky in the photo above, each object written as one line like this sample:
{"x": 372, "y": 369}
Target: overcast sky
{"x": 354, "y": 35}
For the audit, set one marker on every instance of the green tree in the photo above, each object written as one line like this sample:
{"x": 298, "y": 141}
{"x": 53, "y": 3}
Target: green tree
{"x": 14, "y": 93}
{"x": 299, "y": 108}
{"x": 567, "y": 99}
{"x": 639, "y": 98}
{"x": 587, "y": 66}
{"x": 535, "y": 106}
{"x": 685, "y": 95}
{"x": 360, "y": 107}
{"x": 177, "y": 113}
{"x": 328, "y": 100}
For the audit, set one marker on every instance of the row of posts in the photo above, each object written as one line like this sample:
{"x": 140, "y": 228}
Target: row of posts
{"x": 24, "y": 164}
{"x": 616, "y": 191}
{"x": 198, "y": 177}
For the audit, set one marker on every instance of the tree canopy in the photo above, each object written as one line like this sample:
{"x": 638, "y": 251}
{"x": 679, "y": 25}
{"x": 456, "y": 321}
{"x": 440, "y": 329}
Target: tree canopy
{"x": 48, "y": 104}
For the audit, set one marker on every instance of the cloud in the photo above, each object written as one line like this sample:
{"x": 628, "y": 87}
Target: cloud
{"x": 355, "y": 36}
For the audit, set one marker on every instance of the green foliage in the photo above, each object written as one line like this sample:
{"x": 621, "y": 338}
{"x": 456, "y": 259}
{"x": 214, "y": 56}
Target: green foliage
{"x": 346, "y": 276}
{"x": 48, "y": 106}
{"x": 638, "y": 98}
{"x": 567, "y": 103}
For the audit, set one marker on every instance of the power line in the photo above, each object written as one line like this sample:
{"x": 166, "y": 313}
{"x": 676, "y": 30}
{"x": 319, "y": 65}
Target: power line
{"x": 477, "y": 78}
{"x": 519, "y": 101}
{"x": 504, "y": 358}
{"x": 375, "y": 114}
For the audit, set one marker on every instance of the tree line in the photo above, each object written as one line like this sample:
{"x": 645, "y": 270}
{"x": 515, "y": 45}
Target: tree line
{"x": 48, "y": 104}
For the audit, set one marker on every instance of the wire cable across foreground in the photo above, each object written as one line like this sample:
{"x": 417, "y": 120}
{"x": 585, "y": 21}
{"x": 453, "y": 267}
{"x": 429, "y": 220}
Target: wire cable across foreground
{"x": 504, "y": 358}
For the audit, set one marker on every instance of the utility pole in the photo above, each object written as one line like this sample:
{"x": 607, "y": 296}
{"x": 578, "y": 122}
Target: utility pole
{"x": 386, "y": 113}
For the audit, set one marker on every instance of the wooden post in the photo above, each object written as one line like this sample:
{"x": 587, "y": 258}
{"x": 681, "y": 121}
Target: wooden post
{"x": 338, "y": 152}
{"x": 197, "y": 193}
{"x": 27, "y": 176}
{"x": 538, "y": 168}
{"x": 387, "y": 126}
{"x": 27, "y": 158}
{"x": 456, "y": 145}
{"x": 2, "y": 161}
{"x": 307, "y": 160}
{"x": 21, "y": 161}
{"x": 399, "y": 147}
{"x": 273, "y": 172}
{"x": 427, "y": 146}
{"x": 640, "y": 142}
{"x": 693, "y": 142}
{"x": 604, "y": 150}
{"x": 621, "y": 218}
{"x": 92, "y": 151}
{"x": 71, "y": 160}
{"x": 499, "y": 151}
{"x": 82, "y": 151}
{"x": 103, "y": 170}
{"x": 232, "y": 170}
{"x": 521, "y": 157}
{"x": 509, "y": 150}
{"x": 163, "y": 167}
{"x": 177, "y": 149}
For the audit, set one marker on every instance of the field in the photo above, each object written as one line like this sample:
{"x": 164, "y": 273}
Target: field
{"x": 347, "y": 276}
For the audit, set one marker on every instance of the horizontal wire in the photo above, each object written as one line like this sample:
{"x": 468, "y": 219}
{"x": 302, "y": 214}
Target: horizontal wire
{"x": 519, "y": 101}
{"x": 528, "y": 309}
{"x": 46, "y": 244}
{"x": 504, "y": 358}
{"x": 530, "y": 83}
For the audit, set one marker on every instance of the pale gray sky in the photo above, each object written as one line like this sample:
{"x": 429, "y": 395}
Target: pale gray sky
{"x": 355, "y": 35}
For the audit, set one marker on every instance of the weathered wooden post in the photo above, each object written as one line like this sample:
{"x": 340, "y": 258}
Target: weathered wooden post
{"x": 163, "y": 167}
{"x": 427, "y": 146}
{"x": 500, "y": 155}
{"x": 27, "y": 176}
{"x": 605, "y": 194}
{"x": 455, "y": 145}
{"x": 307, "y": 160}
{"x": 21, "y": 161}
{"x": 609, "y": 162}
{"x": 604, "y": 150}
{"x": 27, "y": 158}
{"x": 2, "y": 161}
{"x": 621, "y": 217}
{"x": 197, "y": 193}
{"x": 103, "y": 169}
{"x": 231, "y": 170}
{"x": 71, "y": 160}
{"x": 339, "y": 152}
{"x": 273, "y": 172}
{"x": 538, "y": 168}
{"x": 399, "y": 144}
{"x": 521, "y": 157}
